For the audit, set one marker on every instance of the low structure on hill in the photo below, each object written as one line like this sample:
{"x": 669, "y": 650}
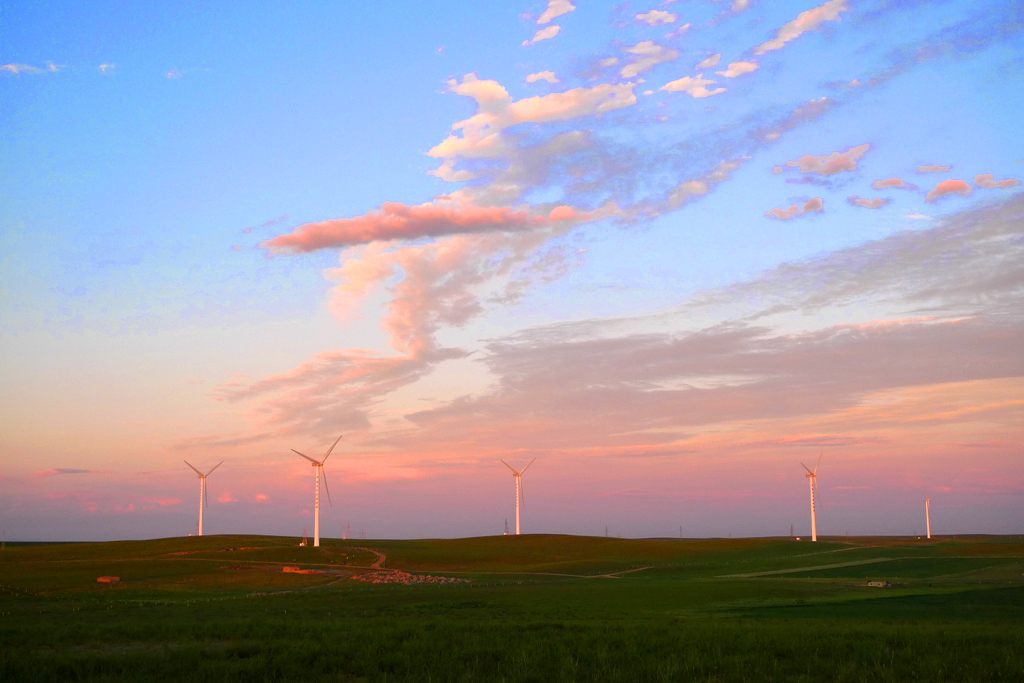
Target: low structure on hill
{"x": 405, "y": 578}
{"x": 109, "y": 579}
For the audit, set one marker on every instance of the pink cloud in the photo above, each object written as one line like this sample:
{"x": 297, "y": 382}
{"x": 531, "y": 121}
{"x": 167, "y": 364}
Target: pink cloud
{"x": 396, "y": 221}
{"x": 948, "y": 187}
{"x": 933, "y": 169}
{"x": 805, "y": 21}
{"x": 226, "y": 498}
{"x": 260, "y": 498}
{"x": 875, "y": 203}
{"x": 445, "y": 283}
{"x": 813, "y": 205}
{"x": 830, "y": 164}
{"x": 897, "y": 183}
{"x": 986, "y": 180}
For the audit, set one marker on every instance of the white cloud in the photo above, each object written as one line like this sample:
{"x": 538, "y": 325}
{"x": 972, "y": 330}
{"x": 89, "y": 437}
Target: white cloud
{"x": 647, "y": 54}
{"x": 711, "y": 61}
{"x": 805, "y": 21}
{"x": 555, "y": 8}
{"x": 678, "y": 32}
{"x": 656, "y": 17}
{"x": 543, "y": 34}
{"x": 18, "y": 69}
{"x": 738, "y": 69}
{"x": 695, "y": 86}
{"x": 548, "y": 76}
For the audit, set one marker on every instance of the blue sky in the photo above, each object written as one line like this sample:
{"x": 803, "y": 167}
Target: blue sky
{"x": 228, "y": 232}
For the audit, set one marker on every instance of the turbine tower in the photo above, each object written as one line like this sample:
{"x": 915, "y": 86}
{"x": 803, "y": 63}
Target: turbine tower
{"x": 519, "y": 488}
{"x": 202, "y": 491}
{"x": 927, "y": 517}
{"x": 319, "y": 465}
{"x": 812, "y": 477}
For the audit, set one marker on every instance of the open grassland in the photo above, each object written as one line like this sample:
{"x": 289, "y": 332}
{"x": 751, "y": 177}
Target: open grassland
{"x": 535, "y": 608}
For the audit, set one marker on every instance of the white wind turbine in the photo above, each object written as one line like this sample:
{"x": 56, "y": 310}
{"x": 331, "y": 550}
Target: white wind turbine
{"x": 928, "y": 517}
{"x": 812, "y": 476}
{"x": 519, "y": 488}
{"x": 319, "y": 465}
{"x": 202, "y": 491}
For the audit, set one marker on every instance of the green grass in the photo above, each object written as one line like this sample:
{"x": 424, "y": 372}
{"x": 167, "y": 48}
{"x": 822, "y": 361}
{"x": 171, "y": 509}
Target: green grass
{"x": 539, "y": 608}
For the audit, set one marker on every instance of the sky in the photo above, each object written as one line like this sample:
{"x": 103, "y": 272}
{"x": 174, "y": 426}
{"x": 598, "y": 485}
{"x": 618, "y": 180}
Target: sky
{"x": 671, "y": 251}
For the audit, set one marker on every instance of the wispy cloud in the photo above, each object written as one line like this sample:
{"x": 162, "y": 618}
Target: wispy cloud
{"x": 874, "y": 203}
{"x": 892, "y": 183}
{"x": 805, "y": 21}
{"x": 65, "y": 470}
{"x": 646, "y": 55}
{"x": 543, "y": 34}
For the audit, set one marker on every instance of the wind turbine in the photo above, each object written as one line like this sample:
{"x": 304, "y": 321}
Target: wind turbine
{"x": 812, "y": 476}
{"x": 519, "y": 488}
{"x": 319, "y": 465}
{"x": 928, "y": 517}
{"x": 202, "y": 491}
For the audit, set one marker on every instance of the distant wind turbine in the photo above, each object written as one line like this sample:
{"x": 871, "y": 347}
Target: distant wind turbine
{"x": 519, "y": 488}
{"x": 202, "y": 490}
{"x": 812, "y": 476}
{"x": 319, "y": 465}
{"x": 928, "y": 517}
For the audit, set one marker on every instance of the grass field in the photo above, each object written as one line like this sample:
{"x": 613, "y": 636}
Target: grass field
{"x": 534, "y": 608}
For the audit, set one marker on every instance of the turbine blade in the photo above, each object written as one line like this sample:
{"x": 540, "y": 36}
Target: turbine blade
{"x": 806, "y": 468}
{"x": 528, "y": 466}
{"x": 206, "y": 496}
{"x": 819, "y": 462}
{"x": 330, "y": 449}
{"x": 326, "y": 488}
{"x": 193, "y": 468}
{"x": 214, "y": 467}
{"x": 315, "y": 462}
{"x": 509, "y": 466}
{"x": 522, "y": 492}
